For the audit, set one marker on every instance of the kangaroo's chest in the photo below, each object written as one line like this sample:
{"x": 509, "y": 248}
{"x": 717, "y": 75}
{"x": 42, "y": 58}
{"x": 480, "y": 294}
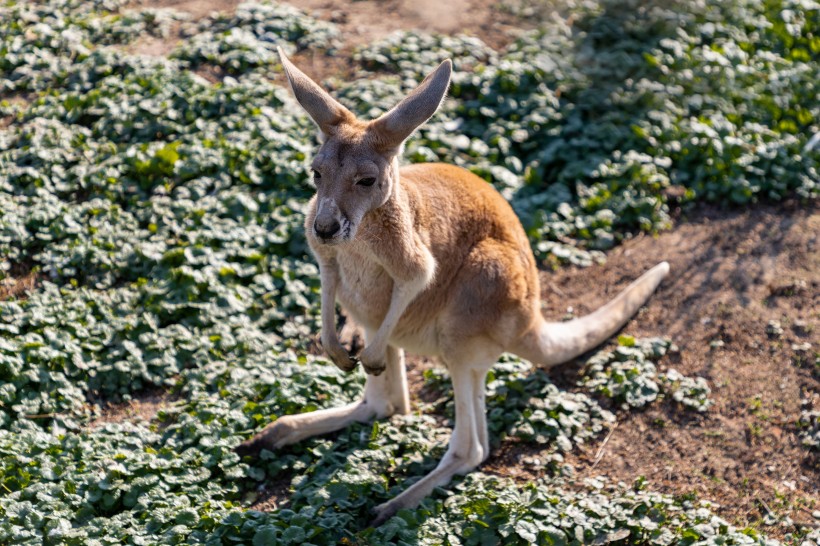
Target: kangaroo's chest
{"x": 364, "y": 288}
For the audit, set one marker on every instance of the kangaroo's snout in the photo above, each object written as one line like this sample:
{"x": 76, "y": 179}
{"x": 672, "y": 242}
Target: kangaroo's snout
{"x": 327, "y": 225}
{"x": 326, "y": 229}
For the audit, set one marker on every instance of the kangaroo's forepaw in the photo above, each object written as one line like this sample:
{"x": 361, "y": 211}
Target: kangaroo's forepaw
{"x": 347, "y": 364}
{"x": 340, "y": 357}
{"x": 373, "y": 362}
{"x": 278, "y": 434}
{"x": 384, "y": 512}
{"x": 374, "y": 370}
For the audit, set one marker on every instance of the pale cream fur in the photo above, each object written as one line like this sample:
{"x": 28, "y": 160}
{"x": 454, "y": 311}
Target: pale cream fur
{"x": 428, "y": 258}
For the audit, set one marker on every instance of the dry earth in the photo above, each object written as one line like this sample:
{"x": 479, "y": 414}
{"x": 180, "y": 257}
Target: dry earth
{"x": 143, "y": 407}
{"x": 732, "y": 272}
{"x": 18, "y": 282}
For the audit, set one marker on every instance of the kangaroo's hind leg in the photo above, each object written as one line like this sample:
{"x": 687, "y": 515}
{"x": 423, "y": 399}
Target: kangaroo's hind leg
{"x": 468, "y": 441}
{"x": 384, "y": 395}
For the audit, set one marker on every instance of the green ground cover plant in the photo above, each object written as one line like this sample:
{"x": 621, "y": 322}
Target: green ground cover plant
{"x": 162, "y": 214}
{"x": 628, "y": 377}
{"x": 248, "y": 38}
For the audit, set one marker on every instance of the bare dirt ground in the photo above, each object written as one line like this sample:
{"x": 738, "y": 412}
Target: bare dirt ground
{"x": 19, "y": 281}
{"x": 731, "y": 273}
{"x": 143, "y": 407}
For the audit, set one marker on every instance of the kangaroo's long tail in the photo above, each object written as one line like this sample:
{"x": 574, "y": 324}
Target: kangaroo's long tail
{"x": 551, "y": 343}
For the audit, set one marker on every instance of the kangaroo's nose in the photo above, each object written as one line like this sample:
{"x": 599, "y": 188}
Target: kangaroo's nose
{"x": 326, "y": 231}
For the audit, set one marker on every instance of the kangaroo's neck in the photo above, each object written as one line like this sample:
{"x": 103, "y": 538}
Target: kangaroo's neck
{"x": 396, "y": 218}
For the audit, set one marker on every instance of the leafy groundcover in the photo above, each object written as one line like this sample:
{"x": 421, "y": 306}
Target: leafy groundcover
{"x": 161, "y": 215}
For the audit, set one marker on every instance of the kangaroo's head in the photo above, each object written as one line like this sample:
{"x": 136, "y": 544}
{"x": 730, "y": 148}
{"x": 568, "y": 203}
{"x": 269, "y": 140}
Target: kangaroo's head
{"x": 356, "y": 167}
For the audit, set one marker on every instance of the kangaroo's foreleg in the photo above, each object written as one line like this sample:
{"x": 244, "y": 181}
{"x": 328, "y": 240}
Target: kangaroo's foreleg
{"x": 407, "y": 284}
{"x": 468, "y": 444}
{"x": 329, "y": 274}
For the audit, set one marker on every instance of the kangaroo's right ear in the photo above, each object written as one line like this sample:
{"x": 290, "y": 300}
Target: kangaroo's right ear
{"x": 322, "y": 108}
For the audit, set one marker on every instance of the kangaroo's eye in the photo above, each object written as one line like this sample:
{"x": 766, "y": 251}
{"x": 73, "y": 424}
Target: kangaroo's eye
{"x": 366, "y": 182}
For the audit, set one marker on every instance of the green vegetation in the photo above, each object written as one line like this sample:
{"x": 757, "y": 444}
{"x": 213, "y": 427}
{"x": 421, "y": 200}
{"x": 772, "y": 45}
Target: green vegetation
{"x": 628, "y": 377}
{"x": 809, "y": 425}
{"x": 248, "y": 38}
{"x": 163, "y": 216}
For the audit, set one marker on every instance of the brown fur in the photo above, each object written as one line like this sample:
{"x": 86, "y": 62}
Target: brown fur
{"x": 475, "y": 239}
{"x": 428, "y": 258}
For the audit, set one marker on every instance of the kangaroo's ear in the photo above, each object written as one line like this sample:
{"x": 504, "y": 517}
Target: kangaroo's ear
{"x": 395, "y": 126}
{"x": 322, "y": 108}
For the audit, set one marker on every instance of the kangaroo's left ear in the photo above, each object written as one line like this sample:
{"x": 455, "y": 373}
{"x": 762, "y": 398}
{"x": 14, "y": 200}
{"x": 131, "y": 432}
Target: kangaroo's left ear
{"x": 322, "y": 108}
{"x": 393, "y": 128}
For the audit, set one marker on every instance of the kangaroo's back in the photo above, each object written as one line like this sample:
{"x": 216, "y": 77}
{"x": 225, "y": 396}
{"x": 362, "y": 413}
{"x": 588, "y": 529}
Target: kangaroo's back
{"x": 459, "y": 209}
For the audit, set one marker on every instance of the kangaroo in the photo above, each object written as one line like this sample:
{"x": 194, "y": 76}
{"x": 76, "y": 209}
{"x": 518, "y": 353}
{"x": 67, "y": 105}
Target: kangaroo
{"x": 429, "y": 258}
